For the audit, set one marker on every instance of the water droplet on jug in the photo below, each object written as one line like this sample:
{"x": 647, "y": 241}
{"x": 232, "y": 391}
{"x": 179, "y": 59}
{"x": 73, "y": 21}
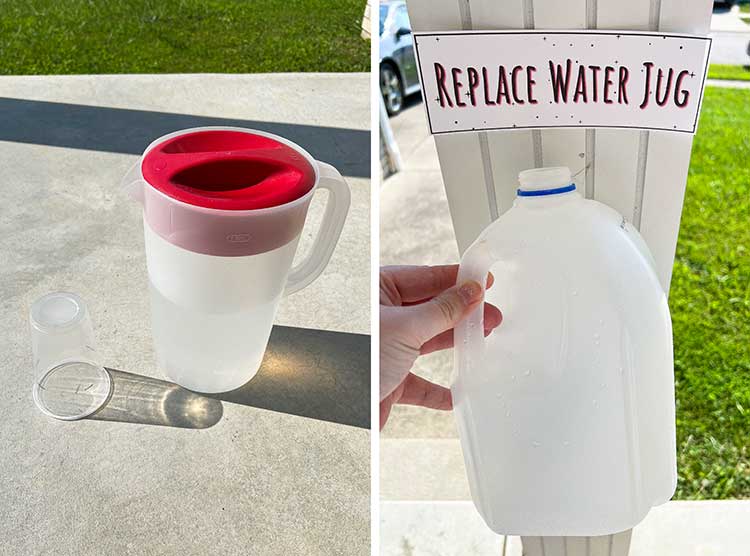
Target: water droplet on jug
{"x": 507, "y": 413}
{"x": 536, "y": 444}
{"x": 566, "y": 443}
{"x": 622, "y": 370}
{"x": 603, "y": 385}
{"x": 513, "y": 377}
{"x": 595, "y": 403}
{"x": 601, "y": 322}
{"x": 575, "y": 292}
{"x": 526, "y": 373}
{"x": 596, "y": 336}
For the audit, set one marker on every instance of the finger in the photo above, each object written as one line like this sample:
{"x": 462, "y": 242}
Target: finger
{"x": 492, "y": 319}
{"x": 490, "y": 281}
{"x": 386, "y": 404}
{"x": 385, "y": 411}
{"x": 421, "y": 392}
{"x": 415, "y": 283}
{"x": 444, "y": 311}
{"x": 418, "y": 283}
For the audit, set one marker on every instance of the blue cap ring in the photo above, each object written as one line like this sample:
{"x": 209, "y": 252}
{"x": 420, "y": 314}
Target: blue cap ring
{"x": 542, "y": 192}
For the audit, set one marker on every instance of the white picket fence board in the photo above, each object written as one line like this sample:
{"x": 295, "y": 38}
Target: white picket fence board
{"x": 512, "y": 152}
{"x": 563, "y": 147}
{"x": 460, "y": 155}
{"x": 486, "y": 15}
{"x": 461, "y": 162}
{"x": 608, "y": 545}
{"x": 615, "y": 152}
{"x": 577, "y": 545}
{"x": 434, "y": 15}
{"x": 617, "y": 169}
{"x": 686, "y": 16}
{"x": 616, "y": 14}
{"x": 670, "y": 152}
{"x": 509, "y": 152}
{"x": 640, "y": 174}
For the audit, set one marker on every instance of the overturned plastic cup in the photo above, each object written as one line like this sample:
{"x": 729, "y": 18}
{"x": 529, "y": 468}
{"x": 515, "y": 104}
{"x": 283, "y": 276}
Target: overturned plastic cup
{"x": 70, "y": 383}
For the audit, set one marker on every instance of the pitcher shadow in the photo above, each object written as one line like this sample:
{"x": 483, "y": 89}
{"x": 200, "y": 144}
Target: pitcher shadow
{"x": 150, "y": 401}
{"x": 312, "y": 373}
{"x": 129, "y": 131}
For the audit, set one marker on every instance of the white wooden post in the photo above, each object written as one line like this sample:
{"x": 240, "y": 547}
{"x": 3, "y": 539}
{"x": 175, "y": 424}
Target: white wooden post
{"x": 607, "y": 545}
{"x": 639, "y": 173}
{"x": 367, "y": 21}
{"x": 390, "y": 155}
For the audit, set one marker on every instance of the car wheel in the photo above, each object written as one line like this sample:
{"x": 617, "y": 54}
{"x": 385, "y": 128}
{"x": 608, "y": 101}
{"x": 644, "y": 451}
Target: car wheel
{"x": 391, "y": 89}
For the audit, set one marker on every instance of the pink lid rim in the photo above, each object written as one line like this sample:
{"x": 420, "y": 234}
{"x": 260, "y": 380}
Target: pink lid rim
{"x": 268, "y": 210}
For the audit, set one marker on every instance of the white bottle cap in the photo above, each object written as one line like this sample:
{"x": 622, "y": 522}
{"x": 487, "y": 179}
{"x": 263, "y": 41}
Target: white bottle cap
{"x": 537, "y": 179}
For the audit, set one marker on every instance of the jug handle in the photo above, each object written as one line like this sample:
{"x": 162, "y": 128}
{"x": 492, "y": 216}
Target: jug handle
{"x": 337, "y": 207}
{"x": 132, "y": 183}
{"x": 469, "y": 333}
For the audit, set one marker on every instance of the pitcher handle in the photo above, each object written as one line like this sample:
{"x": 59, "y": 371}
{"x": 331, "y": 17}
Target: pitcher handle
{"x": 337, "y": 207}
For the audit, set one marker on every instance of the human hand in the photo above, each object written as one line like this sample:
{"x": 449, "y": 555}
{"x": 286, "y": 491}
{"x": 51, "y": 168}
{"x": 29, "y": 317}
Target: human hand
{"x": 419, "y": 306}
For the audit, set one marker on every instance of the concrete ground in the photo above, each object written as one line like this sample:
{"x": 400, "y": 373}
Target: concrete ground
{"x": 425, "y": 498}
{"x": 278, "y": 467}
{"x": 730, "y": 37}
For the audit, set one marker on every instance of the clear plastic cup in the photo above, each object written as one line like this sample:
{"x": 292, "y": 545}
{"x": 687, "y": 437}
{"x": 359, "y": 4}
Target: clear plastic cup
{"x": 70, "y": 382}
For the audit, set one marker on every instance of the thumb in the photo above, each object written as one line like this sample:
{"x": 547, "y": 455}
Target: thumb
{"x": 446, "y": 310}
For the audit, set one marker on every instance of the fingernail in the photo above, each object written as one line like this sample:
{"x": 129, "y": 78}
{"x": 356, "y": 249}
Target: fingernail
{"x": 470, "y": 292}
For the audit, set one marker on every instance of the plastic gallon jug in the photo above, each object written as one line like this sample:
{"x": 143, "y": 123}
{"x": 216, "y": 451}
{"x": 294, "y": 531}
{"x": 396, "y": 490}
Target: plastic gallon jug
{"x": 223, "y": 209}
{"x": 566, "y": 412}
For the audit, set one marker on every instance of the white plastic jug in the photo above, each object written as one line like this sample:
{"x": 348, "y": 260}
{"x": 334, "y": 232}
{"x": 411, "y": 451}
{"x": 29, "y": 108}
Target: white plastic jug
{"x": 566, "y": 412}
{"x": 223, "y": 209}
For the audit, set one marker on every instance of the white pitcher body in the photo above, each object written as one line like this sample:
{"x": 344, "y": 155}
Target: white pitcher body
{"x": 217, "y": 275}
{"x": 211, "y": 316}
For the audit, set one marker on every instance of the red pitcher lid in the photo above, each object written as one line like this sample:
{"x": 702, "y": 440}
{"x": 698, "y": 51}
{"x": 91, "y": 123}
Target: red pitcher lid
{"x": 228, "y": 170}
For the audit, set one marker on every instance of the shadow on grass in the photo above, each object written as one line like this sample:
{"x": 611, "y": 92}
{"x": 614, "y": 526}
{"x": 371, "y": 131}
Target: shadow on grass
{"x": 119, "y": 130}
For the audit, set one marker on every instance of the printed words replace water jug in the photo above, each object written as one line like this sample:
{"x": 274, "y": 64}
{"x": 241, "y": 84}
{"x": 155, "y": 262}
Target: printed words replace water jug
{"x": 566, "y": 412}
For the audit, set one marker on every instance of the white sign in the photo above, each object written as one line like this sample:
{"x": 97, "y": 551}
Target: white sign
{"x": 482, "y": 80}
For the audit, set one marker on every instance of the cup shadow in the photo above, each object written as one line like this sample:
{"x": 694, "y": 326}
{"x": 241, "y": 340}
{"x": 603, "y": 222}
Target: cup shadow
{"x": 150, "y": 401}
{"x": 311, "y": 373}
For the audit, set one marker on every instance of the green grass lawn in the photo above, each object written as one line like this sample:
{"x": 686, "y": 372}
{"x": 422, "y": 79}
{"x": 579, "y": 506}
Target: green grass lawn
{"x": 181, "y": 36}
{"x": 710, "y": 302}
{"x": 723, "y": 71}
